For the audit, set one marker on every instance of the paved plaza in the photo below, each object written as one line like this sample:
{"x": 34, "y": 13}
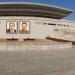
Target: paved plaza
{"x": 38, "y": 62}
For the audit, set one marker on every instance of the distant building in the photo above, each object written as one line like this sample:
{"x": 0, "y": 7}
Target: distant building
{"x": 32, "y": 20}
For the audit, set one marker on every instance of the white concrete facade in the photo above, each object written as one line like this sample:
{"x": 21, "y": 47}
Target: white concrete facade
{"x": 39, "y": 28}
{"x": 31, "y": 46}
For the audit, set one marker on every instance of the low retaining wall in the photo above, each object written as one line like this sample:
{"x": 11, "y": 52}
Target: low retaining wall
{"x": 20, "y": 47}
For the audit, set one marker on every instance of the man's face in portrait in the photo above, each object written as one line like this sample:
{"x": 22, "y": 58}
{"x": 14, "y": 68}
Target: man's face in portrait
{"x": 24, "y": 26}
{"x": 11, "y": 26}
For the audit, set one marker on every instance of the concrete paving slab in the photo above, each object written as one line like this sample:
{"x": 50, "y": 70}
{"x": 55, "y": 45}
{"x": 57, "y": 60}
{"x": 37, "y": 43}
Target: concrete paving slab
{"x": 38, "y": 62}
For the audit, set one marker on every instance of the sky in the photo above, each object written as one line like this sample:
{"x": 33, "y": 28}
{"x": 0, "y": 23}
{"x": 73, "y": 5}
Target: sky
{"x": 70, "y": 4}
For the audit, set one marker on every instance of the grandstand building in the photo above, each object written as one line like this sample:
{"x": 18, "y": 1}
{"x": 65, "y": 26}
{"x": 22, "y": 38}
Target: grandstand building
{"x": 21, "y": 20}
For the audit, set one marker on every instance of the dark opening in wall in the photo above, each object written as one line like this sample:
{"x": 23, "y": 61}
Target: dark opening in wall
{"x": 51, "y": 24}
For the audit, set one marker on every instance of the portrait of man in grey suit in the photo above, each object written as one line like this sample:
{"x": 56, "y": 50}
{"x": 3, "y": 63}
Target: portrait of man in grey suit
{"x": 24, "y": 27}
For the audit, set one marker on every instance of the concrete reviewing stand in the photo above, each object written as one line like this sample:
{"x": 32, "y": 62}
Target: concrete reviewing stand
{"x": 33, "y": 45}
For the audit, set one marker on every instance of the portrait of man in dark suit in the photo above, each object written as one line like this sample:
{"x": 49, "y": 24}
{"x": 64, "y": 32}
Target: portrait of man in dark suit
{"x": 11, "y": 28}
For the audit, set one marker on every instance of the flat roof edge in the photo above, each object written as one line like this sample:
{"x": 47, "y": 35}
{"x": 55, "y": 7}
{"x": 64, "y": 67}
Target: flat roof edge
{"x": 49, "y": 5}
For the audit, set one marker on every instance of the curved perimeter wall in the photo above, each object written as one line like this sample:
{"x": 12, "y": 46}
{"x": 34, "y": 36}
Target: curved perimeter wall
{"x": 36, "y": 27}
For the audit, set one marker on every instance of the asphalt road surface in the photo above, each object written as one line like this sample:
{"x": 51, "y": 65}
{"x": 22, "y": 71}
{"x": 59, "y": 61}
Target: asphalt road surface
{"x": 38, "y": 62}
